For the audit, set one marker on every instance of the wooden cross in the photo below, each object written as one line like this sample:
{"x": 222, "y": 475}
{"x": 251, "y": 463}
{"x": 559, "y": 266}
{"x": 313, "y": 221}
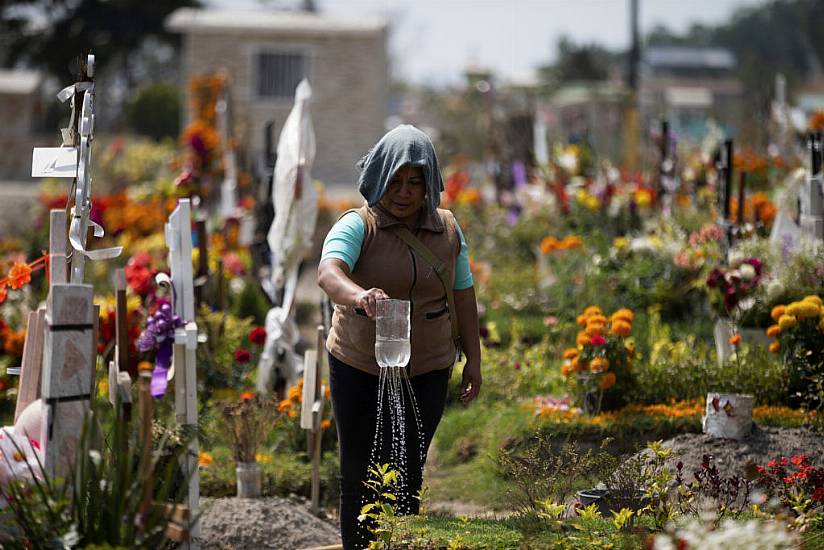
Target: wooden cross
{"x": 184, "y": 358}
{"x": 311, "y": 412}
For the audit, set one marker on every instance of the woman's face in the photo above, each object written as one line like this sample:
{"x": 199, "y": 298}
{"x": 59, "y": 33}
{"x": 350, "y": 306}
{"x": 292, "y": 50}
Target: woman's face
{"x": 406, "y": 193}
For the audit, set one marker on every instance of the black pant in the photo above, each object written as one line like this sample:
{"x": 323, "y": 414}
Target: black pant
{"x": 355, "y": 402}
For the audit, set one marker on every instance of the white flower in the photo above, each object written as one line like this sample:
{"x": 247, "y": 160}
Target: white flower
{"x": 747, "y": 272}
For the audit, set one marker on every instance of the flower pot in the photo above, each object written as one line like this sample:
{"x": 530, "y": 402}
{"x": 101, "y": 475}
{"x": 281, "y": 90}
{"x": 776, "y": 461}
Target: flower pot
{"x": 248, "y": 479}
{"x": 722, "y": 333}
{"x": 607, "y": 502}
{"x": 728, "y": 415}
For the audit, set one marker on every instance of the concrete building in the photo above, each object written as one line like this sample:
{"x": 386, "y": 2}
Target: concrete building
{"x": 21, "y": 110}
{"x": 689, "y": 86}
{"x": 267, "y": 54}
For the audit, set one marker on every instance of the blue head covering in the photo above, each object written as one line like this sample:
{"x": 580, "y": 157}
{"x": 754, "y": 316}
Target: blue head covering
{"x": 403, "y": 145}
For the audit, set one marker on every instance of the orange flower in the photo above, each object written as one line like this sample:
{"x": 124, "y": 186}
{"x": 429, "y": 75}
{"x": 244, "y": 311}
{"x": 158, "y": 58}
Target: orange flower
{"x": 607, "y": 380}
{"x": 325, "y": 424}
{"x": 549, "y": 244}
{"x": 571, "y": 241}
{"x": 581, "y": 320}
{"x": 773, "y": 331}
{"x": 204, "y": 459}
{"x": 296, "y": 393}
{"x": 596, "y": 319}
{"x": 624, "y": 313}
{"x": 285, "y": 406}
{"x": 3, "y": 292}
{"x": 777, "y": 312}
{"x": 735, "y": 339}
{"x": 14, "y": 342}
{"x": 775, "y": 346}
{"x": 593, "y": 310}
{"x": 574, "y": 364}
{"x": 247, "y": 396}
{"x": 570, "y": 353}
{"x": 19, "y": 275}
{"x": 599, "y": 364}
{"x": 620, "y": 328}
{"x": 567, "y": 369}
{"x": 596, "y": 329}
{"x": 582, "y": 339}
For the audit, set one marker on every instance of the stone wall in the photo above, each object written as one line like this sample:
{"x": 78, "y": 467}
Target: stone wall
{"x": 348, "y": 74}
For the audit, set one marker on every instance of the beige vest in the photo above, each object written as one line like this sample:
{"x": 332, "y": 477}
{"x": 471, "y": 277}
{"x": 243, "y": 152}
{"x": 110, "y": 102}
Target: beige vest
{"x": 388, "y": 263}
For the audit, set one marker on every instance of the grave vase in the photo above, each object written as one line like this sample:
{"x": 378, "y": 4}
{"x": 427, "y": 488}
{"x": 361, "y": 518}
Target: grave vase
{"x": 248, "y": 479}
{"x": 728, "y": 415}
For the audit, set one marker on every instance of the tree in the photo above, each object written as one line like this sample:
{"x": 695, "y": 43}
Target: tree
{"x": 54, "y": 35}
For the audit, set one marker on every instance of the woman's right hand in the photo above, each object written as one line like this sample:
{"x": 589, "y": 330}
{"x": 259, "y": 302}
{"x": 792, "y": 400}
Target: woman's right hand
{"x": 367, "y": 300}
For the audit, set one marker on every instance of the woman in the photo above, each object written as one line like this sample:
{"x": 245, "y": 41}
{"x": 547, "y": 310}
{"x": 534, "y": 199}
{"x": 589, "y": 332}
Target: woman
{"x": 364, "y": 261}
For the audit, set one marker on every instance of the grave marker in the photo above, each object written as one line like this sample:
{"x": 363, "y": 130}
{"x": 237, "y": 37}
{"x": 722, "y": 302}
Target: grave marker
{"x": 311, "y": 412}
{"x": 811, "y": 218}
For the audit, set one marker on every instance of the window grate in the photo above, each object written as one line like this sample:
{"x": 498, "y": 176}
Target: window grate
{"x": 279, "y": 73}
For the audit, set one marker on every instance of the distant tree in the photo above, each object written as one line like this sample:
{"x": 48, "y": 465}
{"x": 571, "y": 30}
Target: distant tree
{"x": 584, "y": 62}
{"x": 155, "y": 111}
{"x": 54, "y": 34}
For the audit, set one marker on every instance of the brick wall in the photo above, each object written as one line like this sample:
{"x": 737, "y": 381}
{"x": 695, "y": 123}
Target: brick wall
{"x": 348, "y": 74}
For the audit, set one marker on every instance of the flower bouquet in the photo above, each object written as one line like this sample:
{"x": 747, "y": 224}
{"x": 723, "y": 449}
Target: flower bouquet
{"x": 248, "y": 420}
{"x": 799, "y": 336}
{"x": 601, "y": 357}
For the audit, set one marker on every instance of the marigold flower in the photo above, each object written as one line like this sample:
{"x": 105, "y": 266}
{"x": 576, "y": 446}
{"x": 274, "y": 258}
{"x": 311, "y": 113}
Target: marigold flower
{"x": 594, "y": 330}
{"x": 593, "y": 310}
{"x": 607, "y": 381}
{"x": 574, "y": 364}
{"x": 582, "y": 339}
{"x": 812, "y": 298}
{"x": 620, "y": 328}
{"x": 4, "y": 293}
{"x": 263, "y": 458}
{"x": 549, "y": 244}
{"x": 624, "y": 313}
{"x": 773, "y": 331}
{"x": 204, "y": 459}
{"x": 793, "y": 309}
{"x": 19, "y": 275}
{"x": 787, "y": 321}
{"x": 643, "y": 198}
{"x": 567, "y": 369}
{"x": 599, "y": 364}
{"x": 295, "y": 393}
{"x": 735, "y": 339}
{"x": 777, "y": 312}
{"x": 775, "y": 346}
{"x": 570, "y": 353}
{"x": 257, "y": 336}
{"x": 242, "y": 355}
{"x": 581, "y": 320}
{"x": 325, "y": 424}
{"x": 285, "y": 406}
{"x": 808, "y": 310}
{"x": 247, "y": 396}
{"x": 597, "y": 318}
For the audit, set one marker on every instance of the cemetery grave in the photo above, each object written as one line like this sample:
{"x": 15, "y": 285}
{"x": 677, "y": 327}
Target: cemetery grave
{"x": 652, "y": 349}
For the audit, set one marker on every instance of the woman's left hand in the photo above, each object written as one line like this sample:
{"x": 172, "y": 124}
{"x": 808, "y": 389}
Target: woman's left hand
{"x": 470, "y": 383}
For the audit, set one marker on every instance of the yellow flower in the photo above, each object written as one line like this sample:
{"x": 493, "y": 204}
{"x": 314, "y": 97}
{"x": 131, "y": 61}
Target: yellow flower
{"x": 570, "y": 353}
{"x": 643, "y": 198}
{"x": 808, "y": 310}
{"x": 103, "y": 387}
{"x": 793, "y": 309}
{"x": 204, "y": 459}
{"x": 787, "y": 321}
{"x": 773, "y": 330}
{"x": 777, "y": 312}
{"x": 607, "y": 380}
{"x": 813, "y": 298}
{"x": 593, "y": 310}
{"x": 620, "y": 243}
{"x": 263, "y": 458}
{"x": 775, "y": 346}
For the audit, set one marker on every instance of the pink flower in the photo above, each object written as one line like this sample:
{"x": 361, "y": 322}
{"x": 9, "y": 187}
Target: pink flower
{"x": 598, "y": 340}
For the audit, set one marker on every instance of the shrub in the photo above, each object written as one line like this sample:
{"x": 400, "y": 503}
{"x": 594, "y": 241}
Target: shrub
{"x": 155, "y": 111}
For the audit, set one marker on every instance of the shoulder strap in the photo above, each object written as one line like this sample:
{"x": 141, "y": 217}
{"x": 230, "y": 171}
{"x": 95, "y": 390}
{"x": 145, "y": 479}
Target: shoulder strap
{"x": 440, "y": 270}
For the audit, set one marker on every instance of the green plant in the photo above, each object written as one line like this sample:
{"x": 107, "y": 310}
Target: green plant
{"x": 155, "y": 110}
{"x": 589, "y": 512}
{"x": 380, "y": 514}
{"x": 104, "y": 487}
{"x": 622, "y": 519}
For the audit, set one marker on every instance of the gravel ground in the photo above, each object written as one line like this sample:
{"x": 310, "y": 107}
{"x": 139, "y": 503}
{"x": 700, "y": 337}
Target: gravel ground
{"x": 731, "y": 457}
{"x": 263, "y": 523}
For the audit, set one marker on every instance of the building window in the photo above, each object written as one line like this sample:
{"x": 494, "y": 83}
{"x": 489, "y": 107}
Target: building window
{"x": 279, "y": 73}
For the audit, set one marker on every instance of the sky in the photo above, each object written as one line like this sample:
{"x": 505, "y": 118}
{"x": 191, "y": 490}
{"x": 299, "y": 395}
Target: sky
{"x": 433, "y": 41}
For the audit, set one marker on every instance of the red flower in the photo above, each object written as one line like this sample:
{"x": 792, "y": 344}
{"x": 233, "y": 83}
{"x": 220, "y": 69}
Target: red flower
{"x": 818, "y": 495}
{"x": 799, "y": 460}
{"x": 140, "y": 273}
{"x": 242, "y": 356}
{"x": 258, "y": 336}
{"x": 598, "y": 340}
{"x": 3, "y": 293}
{"x": 516, "y": 366}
